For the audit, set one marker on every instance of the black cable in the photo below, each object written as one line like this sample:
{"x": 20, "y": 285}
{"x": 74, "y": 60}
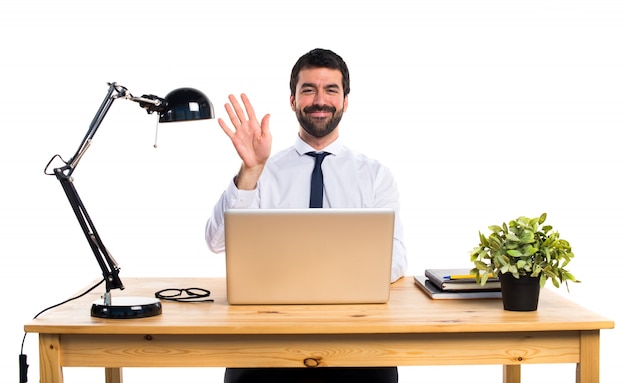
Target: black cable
{"x": 23, "y": 363}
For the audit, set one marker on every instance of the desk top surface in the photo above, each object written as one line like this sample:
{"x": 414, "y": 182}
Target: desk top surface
{"x": 408, "y": 311}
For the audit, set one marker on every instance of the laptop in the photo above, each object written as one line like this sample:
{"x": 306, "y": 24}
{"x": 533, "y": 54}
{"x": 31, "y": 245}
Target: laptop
{"x": 308, "y": 256}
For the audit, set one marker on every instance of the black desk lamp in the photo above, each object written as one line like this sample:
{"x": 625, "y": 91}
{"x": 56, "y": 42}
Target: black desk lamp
{"x": 182, "y": 104}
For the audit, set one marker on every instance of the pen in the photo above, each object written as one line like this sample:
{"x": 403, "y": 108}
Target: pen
{"x": 463, "y": 276}
{"x": 458, "y": 276}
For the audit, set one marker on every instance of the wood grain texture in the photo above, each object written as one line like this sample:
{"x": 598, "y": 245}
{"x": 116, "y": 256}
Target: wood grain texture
{"x": 410, "y": 329}
{"x": 408, "y": 311}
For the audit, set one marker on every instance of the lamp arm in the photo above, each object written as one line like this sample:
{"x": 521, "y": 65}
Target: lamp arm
{"x": 149, "y": 102}
{"x": 108, "y": 265}
{"x": 115, "y": 91}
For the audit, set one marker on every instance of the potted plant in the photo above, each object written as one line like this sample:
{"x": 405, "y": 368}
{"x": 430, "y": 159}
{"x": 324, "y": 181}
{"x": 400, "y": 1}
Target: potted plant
{"x": 524, "y": 254}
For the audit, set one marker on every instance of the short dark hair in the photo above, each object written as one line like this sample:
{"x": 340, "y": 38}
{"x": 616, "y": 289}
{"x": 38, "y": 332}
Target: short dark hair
{"x": 320, "y": 58}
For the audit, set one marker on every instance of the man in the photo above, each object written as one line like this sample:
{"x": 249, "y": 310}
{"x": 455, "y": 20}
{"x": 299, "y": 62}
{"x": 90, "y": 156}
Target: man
{"x": 320, "y": 84}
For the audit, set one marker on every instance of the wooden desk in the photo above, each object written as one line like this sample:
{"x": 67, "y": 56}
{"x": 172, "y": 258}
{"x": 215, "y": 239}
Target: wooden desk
{"x": 410, "y": 330}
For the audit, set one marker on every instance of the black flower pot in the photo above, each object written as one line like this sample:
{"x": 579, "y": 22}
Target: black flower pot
{"x": 519, "y": 294}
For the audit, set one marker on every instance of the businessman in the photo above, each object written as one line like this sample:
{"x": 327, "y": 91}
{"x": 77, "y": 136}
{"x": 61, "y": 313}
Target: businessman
{"x": 319, "y": 85}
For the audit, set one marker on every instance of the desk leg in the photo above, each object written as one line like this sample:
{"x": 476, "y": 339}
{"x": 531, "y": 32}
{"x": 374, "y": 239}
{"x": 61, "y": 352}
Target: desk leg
{"x": 588, "y": 369}
{"x": 511, "y": 373}
{"x": 113, "y": 375}
{"x": 50, "y": 370}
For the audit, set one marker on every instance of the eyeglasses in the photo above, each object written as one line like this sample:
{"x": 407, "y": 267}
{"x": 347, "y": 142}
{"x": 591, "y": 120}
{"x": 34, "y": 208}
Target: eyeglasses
{"x": 192, "y": 294}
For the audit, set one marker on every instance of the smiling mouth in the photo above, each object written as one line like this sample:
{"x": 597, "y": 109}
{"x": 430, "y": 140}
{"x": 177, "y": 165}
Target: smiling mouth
{"x": 319, "y": 114}
{"x": 319, "y": 109}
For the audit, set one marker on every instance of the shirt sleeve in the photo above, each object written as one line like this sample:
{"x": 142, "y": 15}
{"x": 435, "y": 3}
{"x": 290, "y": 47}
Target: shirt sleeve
{"x": 399, "y": 263}
{"x": 387, "y": 195}
{"x": 231, "y": 198}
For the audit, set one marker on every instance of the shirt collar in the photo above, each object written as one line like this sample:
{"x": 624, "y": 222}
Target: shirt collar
{"x": 302, "y": 147}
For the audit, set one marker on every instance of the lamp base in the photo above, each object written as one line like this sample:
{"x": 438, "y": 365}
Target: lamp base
{"x": 126, "y": 308}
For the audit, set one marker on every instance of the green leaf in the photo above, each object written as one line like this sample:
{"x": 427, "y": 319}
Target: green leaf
{"x": 542, "y": 218}
{"x": 484, "y": 278}
{"x": 542, "y": 280}
{"x": 514, "y": 253}
{"x": 481, "y": 265}
{"x": 527, "y": 237}
{"x": 495, "y": 229}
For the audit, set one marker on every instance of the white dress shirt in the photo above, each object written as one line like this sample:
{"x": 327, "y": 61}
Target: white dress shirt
{"x": 351, "y": 180}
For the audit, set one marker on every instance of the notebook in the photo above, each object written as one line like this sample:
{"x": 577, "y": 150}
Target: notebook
{"x": 308, "y": 256}
{"x": 459, "y": 279}
{"x": 435, "y": 292}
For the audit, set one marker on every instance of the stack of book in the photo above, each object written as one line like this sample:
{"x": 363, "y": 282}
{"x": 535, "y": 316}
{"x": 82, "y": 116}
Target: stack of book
{"x": 456, "y": 284}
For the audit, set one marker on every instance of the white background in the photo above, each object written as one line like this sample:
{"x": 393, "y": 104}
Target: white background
{"x": 484, "y": 111}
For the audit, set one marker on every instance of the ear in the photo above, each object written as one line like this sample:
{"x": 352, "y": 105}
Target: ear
{"x": 292, "y": 102}
{"x": 345, "y": 103}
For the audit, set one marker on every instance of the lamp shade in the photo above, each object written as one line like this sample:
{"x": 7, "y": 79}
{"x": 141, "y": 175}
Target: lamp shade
{"x": 186, "y": 104}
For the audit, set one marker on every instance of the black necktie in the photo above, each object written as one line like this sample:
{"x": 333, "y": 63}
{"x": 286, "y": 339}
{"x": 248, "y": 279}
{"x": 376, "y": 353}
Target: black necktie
{"x": 317, "y": 179}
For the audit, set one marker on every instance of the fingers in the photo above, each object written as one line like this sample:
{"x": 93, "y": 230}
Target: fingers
{"x": 265, "y": 125}
{"x": 238, "y": 117}
{"x": 236, "y": 113}
{"x": 249, "y": 108}
{"x": 225, "y": 128}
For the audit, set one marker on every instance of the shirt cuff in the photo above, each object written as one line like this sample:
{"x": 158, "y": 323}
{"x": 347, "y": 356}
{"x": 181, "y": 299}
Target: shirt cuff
{"x": 240, "y": 198}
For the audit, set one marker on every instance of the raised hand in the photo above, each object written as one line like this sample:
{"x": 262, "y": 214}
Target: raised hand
{"x": 251, "y": 139}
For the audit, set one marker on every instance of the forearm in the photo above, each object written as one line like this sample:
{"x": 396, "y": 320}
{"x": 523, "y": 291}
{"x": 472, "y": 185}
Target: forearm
{"x": 231, "y": 198}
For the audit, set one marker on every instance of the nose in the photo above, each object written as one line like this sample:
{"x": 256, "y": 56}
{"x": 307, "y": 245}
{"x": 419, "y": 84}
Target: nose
{"x": 319, "y": 98}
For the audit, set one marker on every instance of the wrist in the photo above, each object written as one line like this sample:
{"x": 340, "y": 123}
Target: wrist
{"x": 247, "y": 178}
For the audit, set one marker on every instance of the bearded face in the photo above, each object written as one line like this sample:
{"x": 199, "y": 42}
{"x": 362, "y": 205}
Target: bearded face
{"x": 319, "y": 120}
{"x": 319, "y": 101}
